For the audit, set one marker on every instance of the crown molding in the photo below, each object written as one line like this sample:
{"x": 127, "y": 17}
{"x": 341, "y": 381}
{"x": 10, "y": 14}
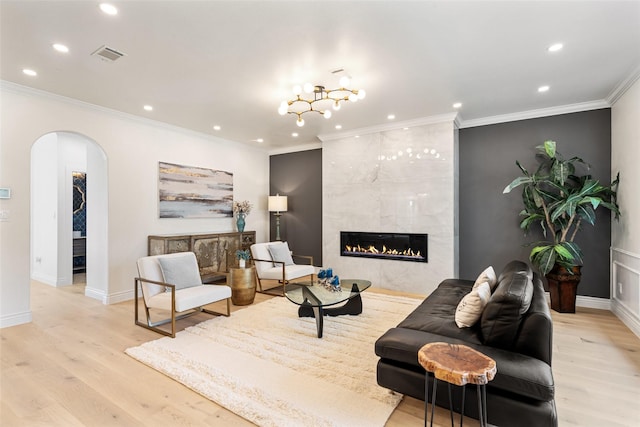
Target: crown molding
{"x": 26, "y": 90}
{"x": 620, "y": 90}
{"x": 295, "y": 149}
{"x": 441, "y": 118}
{"x": 534, "y": 114}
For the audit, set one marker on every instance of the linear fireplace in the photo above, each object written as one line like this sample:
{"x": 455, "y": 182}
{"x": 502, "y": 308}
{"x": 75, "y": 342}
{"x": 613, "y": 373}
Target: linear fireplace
{"x": 398, "y": 246}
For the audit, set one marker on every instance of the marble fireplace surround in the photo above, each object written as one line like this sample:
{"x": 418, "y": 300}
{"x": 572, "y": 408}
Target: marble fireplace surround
{"x": 401, "y": 180}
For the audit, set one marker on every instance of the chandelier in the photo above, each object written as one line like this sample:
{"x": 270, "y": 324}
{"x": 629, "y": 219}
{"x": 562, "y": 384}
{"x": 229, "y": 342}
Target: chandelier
{"x": 322, "y": 99}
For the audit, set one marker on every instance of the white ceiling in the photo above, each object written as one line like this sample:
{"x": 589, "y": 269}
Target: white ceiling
{"x": 231, "y": 63}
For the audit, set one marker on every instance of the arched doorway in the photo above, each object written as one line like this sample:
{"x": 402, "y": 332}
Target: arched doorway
{"x": 54, "y": 159}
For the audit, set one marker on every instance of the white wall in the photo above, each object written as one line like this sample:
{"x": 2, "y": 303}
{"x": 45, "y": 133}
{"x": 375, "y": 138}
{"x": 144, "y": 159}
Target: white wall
{"x": 44, "y": 206}
{"x": 133, "y": 147}
{"x": 625, "y": 234}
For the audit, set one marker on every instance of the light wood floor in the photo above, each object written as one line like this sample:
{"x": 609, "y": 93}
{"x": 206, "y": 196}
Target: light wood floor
{"x": 68, "y": 368}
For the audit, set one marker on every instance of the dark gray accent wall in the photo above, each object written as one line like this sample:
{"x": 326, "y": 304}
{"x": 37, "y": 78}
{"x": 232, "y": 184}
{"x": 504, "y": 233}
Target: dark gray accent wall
{"x": 299, "y": 176}
{"x": 489, "y": 221}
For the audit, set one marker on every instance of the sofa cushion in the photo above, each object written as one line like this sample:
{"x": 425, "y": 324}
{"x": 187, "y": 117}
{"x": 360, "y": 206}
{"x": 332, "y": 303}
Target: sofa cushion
{"x": 516, "y": 267}
{"x": 471, "y": 305}
{"x": 436, "y": 314}
{"x": 488, "y": 276}
{"x": 510, "y": 301}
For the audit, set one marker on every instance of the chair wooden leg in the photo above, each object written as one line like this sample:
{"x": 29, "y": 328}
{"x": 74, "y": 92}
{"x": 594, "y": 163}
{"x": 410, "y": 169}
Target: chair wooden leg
{"x": 259, "y": 283}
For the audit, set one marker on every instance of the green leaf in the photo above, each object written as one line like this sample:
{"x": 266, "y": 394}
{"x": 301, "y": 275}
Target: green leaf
{"x": 524, "y": 171}
{"x": 516, "y": 183}
{"x": 525, "y": 224}
{"x": 550, "y": 148}
{"x": 562, "y": 251}
{"x": 594, "y": 201}
{"x": 574, "y": 251}
{"x": 560, "y": 172}
{"x": 528, "y": 199}
{"x": 587, "y": 213}
{"x": 590, "y": 187}
{"x": 543, "y": 258}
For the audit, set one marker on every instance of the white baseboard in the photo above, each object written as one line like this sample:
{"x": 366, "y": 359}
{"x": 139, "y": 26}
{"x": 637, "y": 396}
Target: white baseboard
{"x": 15, "y": 319}
{"x": 588, "y": 302}
{"x": 627, "y": 317}
{"x": 95, "y": 294}
{"x": 45, "y": 278}
{"x": 593, "y": 302}
{"x": 108, "y": 298}
{"x": 119, "y": 297}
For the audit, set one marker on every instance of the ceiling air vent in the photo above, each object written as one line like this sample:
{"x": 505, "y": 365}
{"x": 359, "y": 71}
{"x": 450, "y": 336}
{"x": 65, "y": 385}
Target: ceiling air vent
{"x": 107, "y": 54}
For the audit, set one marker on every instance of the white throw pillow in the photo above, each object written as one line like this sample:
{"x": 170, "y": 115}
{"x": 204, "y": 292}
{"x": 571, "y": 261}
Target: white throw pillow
{"x": 280, "y": 252}
{"x": 488, "y": 276}
{"x": 471, "y": 306}
{"x": 181, "y": 271}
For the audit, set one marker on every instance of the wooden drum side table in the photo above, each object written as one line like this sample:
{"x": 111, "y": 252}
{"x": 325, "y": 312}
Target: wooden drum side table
{"x": 243, "y": 285}
{"x": 459, "y": 365}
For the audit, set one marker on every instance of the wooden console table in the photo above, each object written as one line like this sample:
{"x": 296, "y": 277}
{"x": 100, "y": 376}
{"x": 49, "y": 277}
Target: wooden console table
{"x": 215, "y": 251}
{"x": 460, "y": 365}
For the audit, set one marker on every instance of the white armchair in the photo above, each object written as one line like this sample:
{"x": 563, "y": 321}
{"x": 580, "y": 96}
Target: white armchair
{"x": 171, "y": 282}
{"x": 274, "y": 261}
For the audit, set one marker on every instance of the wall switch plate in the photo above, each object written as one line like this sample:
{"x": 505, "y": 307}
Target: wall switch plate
{"x": 4, "y": 215}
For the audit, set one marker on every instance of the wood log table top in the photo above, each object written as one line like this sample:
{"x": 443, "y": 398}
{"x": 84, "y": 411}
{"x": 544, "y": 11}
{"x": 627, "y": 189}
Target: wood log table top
{"x": 457, "y": 364}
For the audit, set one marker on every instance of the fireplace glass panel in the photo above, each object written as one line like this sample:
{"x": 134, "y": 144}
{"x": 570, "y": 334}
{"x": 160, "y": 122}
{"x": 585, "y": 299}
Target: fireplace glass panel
{"x": 398, "y": 246}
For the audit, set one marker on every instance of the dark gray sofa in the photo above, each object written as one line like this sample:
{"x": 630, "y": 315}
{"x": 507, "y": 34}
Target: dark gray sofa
{"x": 515, "y": 330}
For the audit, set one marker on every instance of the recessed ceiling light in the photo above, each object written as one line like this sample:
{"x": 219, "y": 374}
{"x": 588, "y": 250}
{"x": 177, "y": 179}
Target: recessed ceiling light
{"x": 294, "y": 134}
{"x": 148, "y": 108}
{"x": 260, "y": 140}
{"x": 457, "y": 105}
{"x": 543, "y": 88}
{"x": 29, "y": 72}
{"x": 338, "y": 127}
{"x": 61, "y": 48}
{"x": 555, "y": 47}
{"x": 109, "y": 9}
{"x": 216, "y": 127}
{"x": 391, "y": 116}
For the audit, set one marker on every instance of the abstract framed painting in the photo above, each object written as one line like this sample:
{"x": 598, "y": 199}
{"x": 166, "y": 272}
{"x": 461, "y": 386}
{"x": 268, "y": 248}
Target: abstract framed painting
{"x": 193, "y": 192}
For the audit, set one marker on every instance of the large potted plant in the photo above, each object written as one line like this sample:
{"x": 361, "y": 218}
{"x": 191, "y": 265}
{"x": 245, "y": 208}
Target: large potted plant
{"x": 560, "y": 201}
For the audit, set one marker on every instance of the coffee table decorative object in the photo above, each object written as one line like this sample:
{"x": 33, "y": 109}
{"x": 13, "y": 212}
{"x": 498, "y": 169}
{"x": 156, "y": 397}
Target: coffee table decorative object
{"x": 315, "y": 299}
{"x": 329, "y": 281}
{"x": 460, "y": 365}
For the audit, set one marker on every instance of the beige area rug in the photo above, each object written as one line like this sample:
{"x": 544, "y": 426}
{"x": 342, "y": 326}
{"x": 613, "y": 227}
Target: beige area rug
{"x": 268, "y": 366}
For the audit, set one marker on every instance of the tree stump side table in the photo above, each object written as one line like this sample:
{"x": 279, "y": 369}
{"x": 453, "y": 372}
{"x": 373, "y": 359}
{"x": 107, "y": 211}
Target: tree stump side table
{"x": 459, "y": 365}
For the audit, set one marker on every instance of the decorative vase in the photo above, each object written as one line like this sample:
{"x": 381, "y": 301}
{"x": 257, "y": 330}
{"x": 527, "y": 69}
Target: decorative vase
{"x": 563, "y": 287}
{"x": 240, "y": 222}
{"x": 242, "y": 263}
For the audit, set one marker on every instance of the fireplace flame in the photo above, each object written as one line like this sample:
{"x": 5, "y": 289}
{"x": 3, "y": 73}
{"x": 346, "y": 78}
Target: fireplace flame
{"x": 385, "y": 251}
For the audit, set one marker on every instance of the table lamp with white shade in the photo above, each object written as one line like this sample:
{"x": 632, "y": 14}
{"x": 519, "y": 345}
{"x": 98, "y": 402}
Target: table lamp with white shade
{"x": 277, "y": 204}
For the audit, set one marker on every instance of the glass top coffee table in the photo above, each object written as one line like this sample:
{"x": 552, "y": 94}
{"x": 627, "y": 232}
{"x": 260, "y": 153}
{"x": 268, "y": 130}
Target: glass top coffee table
{"x": 314, "y": 299}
